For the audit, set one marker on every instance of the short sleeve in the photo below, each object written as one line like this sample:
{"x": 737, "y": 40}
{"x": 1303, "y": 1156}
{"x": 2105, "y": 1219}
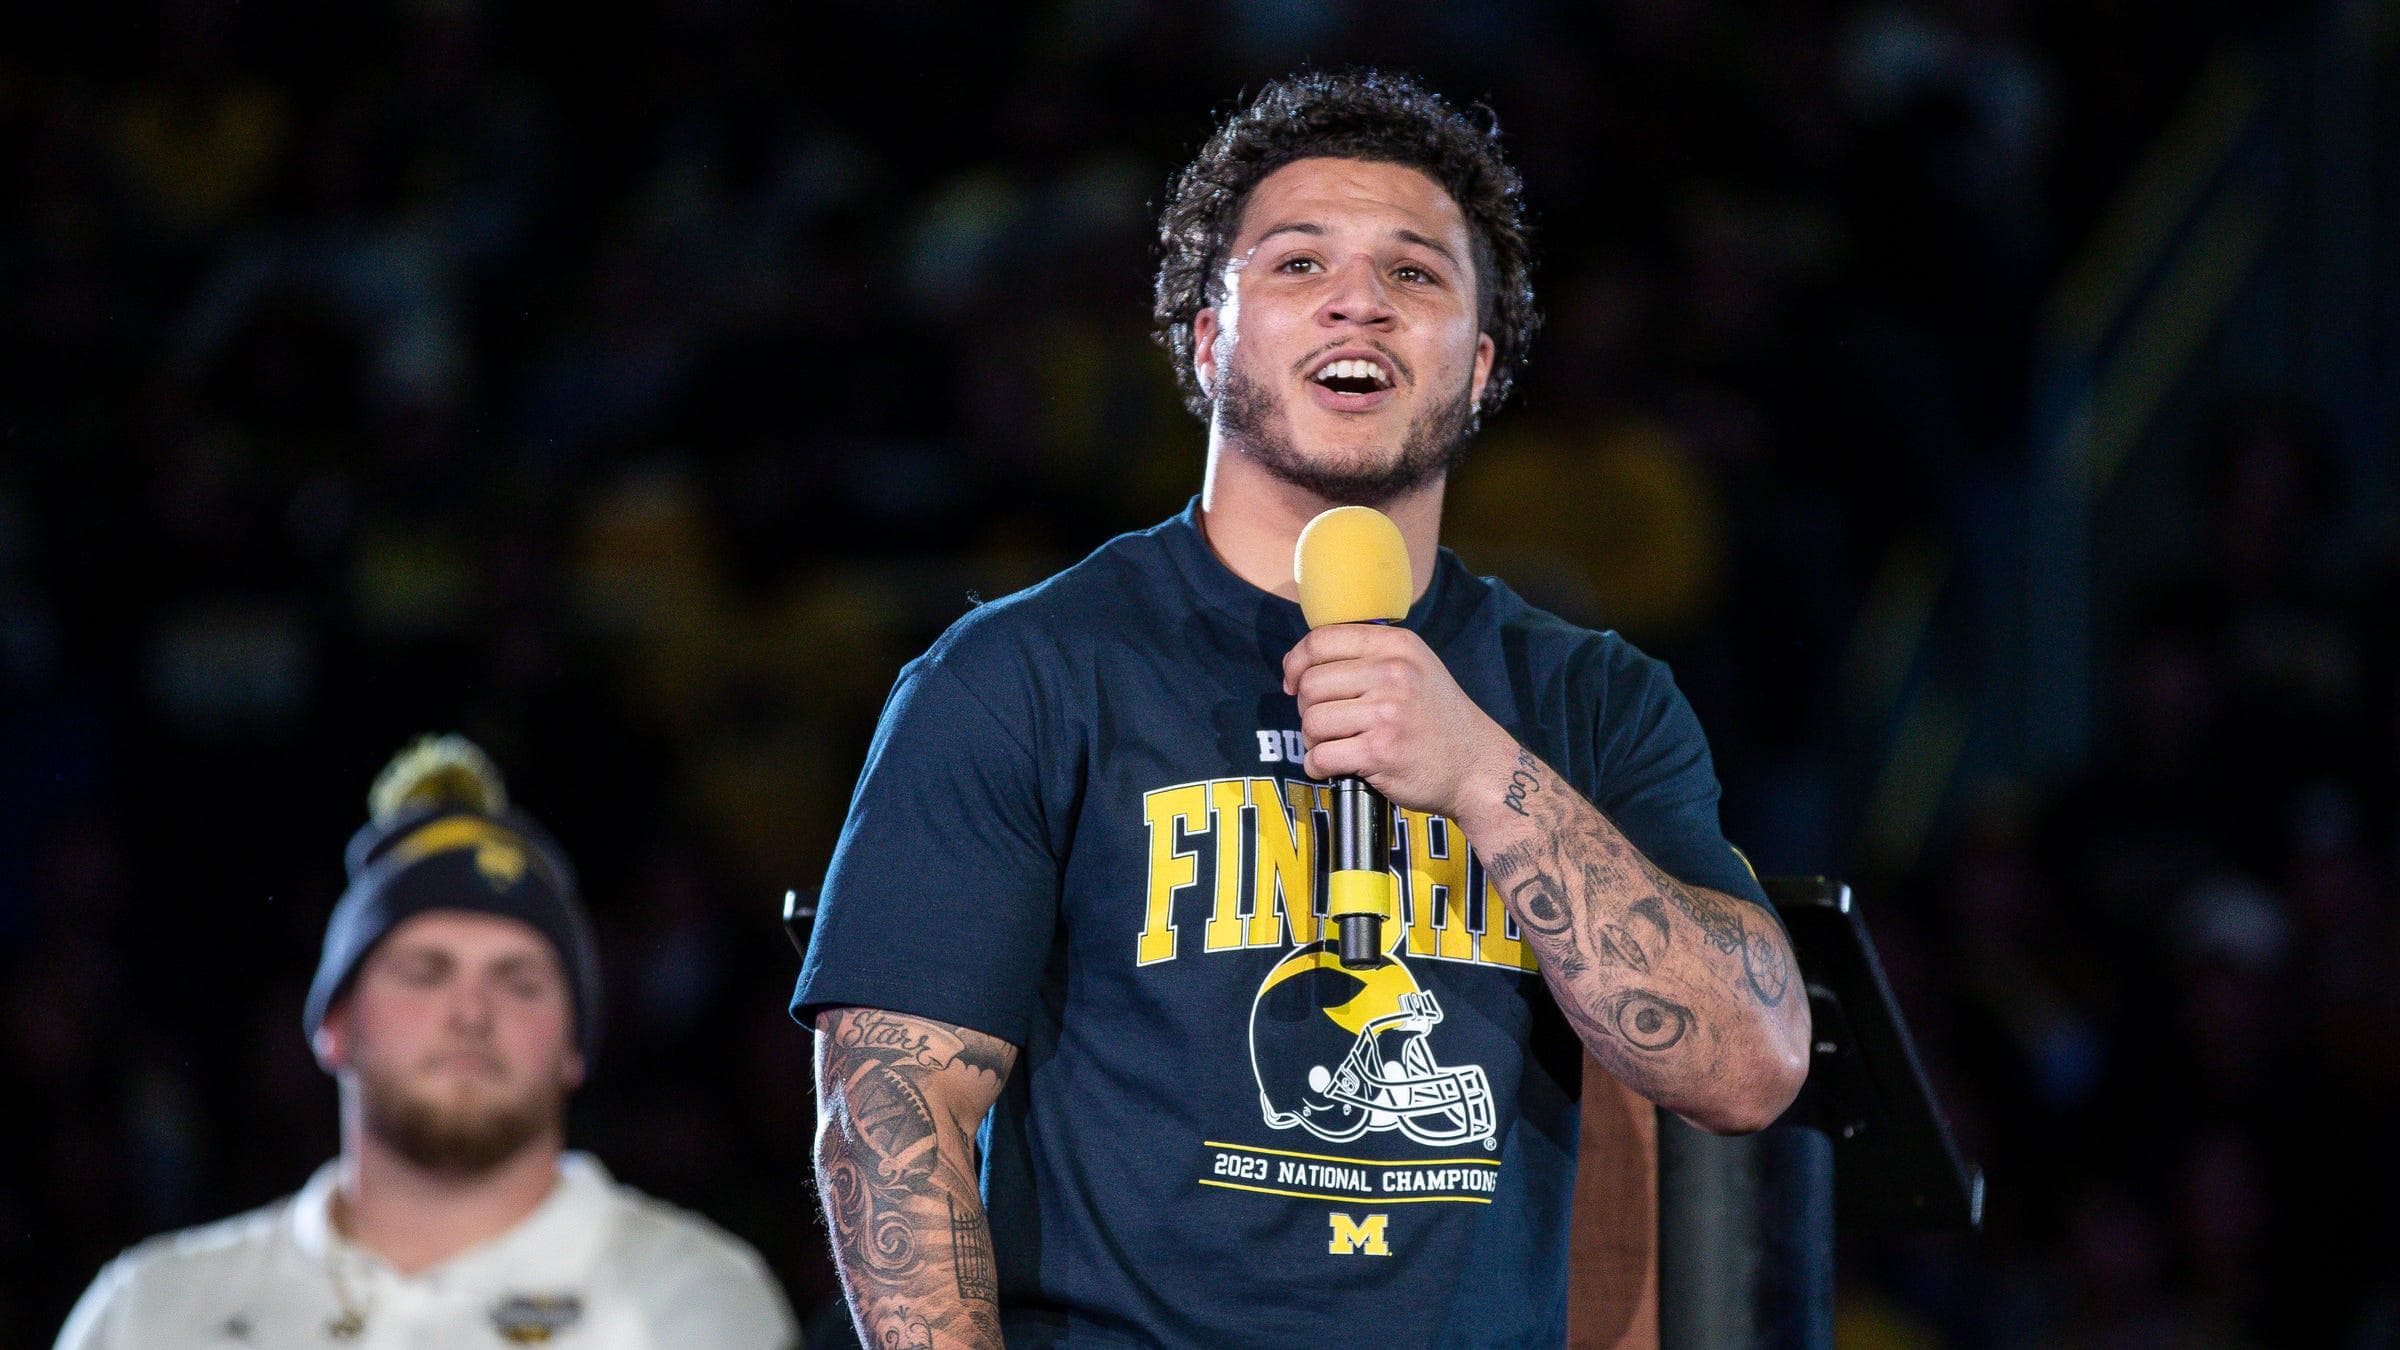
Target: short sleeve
{"x": 1659, "y": 783}
{"x": 722, "y": 1298}
{"x": 942, "y": 895}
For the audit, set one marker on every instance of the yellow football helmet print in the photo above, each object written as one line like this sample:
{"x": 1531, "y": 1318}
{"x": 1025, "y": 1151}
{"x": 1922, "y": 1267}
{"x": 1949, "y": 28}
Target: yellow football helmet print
{"x": 1341, "y": 1052}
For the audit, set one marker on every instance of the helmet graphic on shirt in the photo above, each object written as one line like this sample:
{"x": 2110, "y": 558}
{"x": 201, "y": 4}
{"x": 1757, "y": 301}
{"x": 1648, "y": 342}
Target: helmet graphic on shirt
{"x": 1340, "y": 1052}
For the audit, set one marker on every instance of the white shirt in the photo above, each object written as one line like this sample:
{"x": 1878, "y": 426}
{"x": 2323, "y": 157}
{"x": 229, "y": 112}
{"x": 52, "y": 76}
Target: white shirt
{"x": 596, "y": 1266}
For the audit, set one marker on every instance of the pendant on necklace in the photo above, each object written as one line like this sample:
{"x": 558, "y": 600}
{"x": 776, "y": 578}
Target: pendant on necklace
{"x": 347, "y": 1327}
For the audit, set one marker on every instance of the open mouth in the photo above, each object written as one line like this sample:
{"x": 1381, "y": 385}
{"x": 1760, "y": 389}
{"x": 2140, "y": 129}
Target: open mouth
{"x": 1354, "y": 375}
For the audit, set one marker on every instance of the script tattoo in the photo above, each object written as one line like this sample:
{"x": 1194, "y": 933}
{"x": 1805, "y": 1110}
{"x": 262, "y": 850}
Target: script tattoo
{"x": 1523, "y": 782}
{"x": 896, "y": 1172}
{"x": 921, "y": 1044}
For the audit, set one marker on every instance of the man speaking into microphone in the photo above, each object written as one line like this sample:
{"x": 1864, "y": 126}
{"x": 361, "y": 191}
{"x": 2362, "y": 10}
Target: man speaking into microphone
{"x": 1092, "y": 1068}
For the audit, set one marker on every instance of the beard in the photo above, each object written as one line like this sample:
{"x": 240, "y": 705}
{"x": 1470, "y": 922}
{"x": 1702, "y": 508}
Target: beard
{"x": 1254, "y": 424}
{"x": 458, "y": 1139}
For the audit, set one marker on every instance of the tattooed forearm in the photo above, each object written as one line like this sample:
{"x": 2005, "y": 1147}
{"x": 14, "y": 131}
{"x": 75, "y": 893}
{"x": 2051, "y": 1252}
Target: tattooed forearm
{"x": 888, "y": 1160}
{"x": 899, "y": 1099}
{"x": 1633, "y": 1036}
{"x": 1607, "y": 866}
{"x": 1707, "y": 1030}
{"x": 1720, "y": 925}
{"x": 1653, "y": 1074}
{"x": 1764, "y": 966}
{"x": 1534, "y": 897}
{"x": 1539, "y": 903}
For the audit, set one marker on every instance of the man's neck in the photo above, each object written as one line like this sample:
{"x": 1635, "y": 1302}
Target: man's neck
{"x": 1253, "y": 519}
{"x": 416, "y": 1219}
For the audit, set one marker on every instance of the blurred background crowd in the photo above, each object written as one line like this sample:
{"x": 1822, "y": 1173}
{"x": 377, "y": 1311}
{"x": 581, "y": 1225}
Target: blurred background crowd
{"x": 1985, "y": 405}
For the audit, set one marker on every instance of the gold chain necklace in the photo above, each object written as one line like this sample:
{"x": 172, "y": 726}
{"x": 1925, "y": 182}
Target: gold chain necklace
{"x": 351, "y": 1322}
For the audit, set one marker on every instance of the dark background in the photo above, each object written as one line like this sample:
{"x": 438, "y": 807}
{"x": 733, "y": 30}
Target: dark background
{"x": 1985, "y": 405}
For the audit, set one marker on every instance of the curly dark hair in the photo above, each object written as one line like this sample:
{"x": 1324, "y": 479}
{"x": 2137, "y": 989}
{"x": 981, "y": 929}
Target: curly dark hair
{"x": 1365, "y": 114}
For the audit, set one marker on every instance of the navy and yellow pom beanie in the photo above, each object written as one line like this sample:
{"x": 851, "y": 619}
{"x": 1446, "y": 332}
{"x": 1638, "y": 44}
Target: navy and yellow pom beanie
{"x": 440, "y": 835}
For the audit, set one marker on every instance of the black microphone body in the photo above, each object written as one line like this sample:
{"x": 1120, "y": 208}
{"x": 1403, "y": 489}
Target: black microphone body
{"x": 1362, "y": 838}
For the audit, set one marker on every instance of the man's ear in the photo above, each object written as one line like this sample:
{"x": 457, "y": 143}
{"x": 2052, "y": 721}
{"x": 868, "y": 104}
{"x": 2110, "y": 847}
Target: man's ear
{"x": 332, "y": 1041}
{"x": 571, "y": 1071}
{"x": 1204, "y": 350}
{"x": 1484, "y": 349}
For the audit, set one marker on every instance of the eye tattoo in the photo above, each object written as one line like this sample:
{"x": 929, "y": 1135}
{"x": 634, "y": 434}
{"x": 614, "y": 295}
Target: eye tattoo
{"x": 1648, "y": 1022}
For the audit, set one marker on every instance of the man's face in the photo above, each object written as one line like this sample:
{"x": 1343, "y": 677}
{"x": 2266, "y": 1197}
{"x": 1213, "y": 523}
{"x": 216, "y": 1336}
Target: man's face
{"x": 459, "y": 1034}
{"x": 1346, "y": 358}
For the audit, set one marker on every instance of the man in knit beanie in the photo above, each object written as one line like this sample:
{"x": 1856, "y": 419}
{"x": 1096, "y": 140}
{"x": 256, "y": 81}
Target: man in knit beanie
{"x": 456, "y": 1003}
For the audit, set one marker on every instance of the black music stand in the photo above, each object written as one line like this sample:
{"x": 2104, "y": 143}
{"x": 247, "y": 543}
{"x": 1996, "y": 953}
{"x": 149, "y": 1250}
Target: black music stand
{"x": 799, "y": 918}
{"x": 1746, "y": 1225}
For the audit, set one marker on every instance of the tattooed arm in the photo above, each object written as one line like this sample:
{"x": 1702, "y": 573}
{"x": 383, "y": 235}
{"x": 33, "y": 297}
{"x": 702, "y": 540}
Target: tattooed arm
{"x": 899, "y": 1099}
{"x": 1686, "y": 994}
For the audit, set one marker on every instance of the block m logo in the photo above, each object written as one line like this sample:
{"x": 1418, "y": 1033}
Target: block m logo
{"x": 1352, "y": 1236}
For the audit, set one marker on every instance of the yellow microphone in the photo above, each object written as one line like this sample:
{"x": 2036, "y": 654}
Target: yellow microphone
{"x": 1352, "y": 567}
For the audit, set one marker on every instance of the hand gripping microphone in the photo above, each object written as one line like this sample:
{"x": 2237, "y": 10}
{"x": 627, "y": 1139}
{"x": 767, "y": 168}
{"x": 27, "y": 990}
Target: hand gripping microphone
{"x": 1352, "y": 567}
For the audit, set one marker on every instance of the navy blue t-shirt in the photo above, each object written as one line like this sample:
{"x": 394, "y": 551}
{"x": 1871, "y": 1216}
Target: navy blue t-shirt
{"x": 1083, "y": 828}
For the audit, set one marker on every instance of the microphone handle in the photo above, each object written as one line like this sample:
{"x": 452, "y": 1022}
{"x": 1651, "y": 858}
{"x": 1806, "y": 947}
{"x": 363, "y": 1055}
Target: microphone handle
{"x": 1361, "y": 870}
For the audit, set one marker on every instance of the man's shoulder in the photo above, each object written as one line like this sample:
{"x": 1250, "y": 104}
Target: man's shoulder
{"x": 200, "y": 1252}
{"x": 694, "y": 1282}
{"x": 653, "y": 1239}
{"x": 172, "y": 1270}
